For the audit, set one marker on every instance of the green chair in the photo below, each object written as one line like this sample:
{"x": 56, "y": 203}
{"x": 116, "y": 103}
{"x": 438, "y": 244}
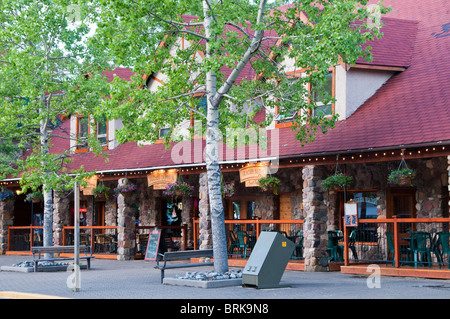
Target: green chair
{"x": 334, "y": 251}
{"x": 443, "y": 238}
{"x": 419, "y": 247}
{"x": 242, "y": 242}
{"x": 351, "y": 244}
{"x": 391, "y": 247}
{"x": 298, "y": 240}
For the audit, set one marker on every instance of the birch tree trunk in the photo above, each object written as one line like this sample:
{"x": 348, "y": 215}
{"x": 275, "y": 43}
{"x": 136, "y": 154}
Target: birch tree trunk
{"x": 47, "y": 239}
{"x": 212, "y": 161}
{"x": 214, "y": 98}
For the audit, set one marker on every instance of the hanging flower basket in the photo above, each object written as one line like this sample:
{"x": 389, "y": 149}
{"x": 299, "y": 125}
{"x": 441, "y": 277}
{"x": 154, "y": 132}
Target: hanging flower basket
{"x": 227, "y": 190}
{"x": 6, "y": 195}
{"x": 178, "y": 189}
{"x": 101, "y": 190}
{"x": 337, "y": 181}
{"x": 269, "y": 184}
{"x": 34, "y": 197}
{"x": 402, "y": 177}
{"x": 125, "y": 189}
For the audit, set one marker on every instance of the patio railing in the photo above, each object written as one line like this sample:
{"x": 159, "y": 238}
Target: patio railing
{"x": 391, "y": 241}
{"x": 22, "y": 238}
{"x": 102, "y": 239}
{"x": 397, "y": 242}
{"x": 251, "y": 230}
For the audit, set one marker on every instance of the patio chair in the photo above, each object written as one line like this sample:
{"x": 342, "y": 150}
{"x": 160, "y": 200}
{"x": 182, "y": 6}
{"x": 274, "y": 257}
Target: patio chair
{"x": 334, "y": 251}
{"x": 391, "y": 248}
{"x": 403, "y": 250}
{"x": 242, "y": 238}
{"x": 298, "y": 240}
{"x": 443, "y": 238}
{"x": 351, "y": 244}
{"x": 419, "y": 246}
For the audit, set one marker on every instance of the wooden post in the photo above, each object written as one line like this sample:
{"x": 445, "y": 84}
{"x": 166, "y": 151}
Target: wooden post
{"x": 195, "y": 234}
{"x": 31, "y": 237}
{"x": 185, "y": 227}
{"x": 258, "y": 228}
{"x": 396, "y": 243}
{"x": 346, "y": 263}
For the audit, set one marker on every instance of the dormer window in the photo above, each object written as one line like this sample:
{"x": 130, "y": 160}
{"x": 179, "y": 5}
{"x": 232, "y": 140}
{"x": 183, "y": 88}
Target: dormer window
{"x": 82, "y": 133}
{"x": 83, "y": 129}
{"x": 322, "y": 96}
{"x": 102, "y": 131}
{"x": 285, "y": 118}
{"x": 164, "y": 132}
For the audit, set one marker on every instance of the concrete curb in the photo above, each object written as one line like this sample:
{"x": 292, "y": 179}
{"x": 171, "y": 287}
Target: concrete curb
{"x": 202, "y": 283}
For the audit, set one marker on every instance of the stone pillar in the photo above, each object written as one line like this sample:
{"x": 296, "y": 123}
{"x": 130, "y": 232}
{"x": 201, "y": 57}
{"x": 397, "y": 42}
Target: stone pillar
{"x": 126, "y": 224}
{"x": 148, "y": 212}
{"x": 6, "y": 219}
{"x": 61, "y": 212}
{"x": 315, "y": 222}
{"x": 205, "y": 230}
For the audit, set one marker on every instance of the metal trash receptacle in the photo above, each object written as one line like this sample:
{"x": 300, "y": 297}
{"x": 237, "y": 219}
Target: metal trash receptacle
{"x": 268, "y": 260}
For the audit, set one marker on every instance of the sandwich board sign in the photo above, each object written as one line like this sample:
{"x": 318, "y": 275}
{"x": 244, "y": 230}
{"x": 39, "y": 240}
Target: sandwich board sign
{"x": 154, "y": 239}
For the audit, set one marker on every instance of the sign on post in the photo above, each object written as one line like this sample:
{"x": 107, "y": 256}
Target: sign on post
{"x": 153, "y": 245}
{"x": 351, "y": 214}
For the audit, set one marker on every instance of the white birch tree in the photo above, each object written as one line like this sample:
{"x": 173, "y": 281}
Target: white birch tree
{"x": 231, "y": 37}
{"x": 44, "y": 69}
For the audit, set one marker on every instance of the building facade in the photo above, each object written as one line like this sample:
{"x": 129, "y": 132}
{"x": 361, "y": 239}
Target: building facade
{"x": 392, "y": 109}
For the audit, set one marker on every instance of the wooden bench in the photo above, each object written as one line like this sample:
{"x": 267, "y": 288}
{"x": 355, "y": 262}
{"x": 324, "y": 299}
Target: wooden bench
{"x": 38, "y": 254}
{"x": 181, "y": 255}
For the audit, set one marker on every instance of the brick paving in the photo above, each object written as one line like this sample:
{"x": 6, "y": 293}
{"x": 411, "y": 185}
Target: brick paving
{"x": 137, "y": 279}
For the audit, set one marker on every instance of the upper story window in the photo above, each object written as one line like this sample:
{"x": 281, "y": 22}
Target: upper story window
{"x": 164, "y": 132}
{"x": 83, "y": 128}
{"x": 322, "y": 95}
{"x": 102, "y": 131}
{"x": 82, "y": 133}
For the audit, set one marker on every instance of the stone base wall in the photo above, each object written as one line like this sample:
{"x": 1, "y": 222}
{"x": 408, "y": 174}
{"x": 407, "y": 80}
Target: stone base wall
{"x": 6, "y": 219}
{"x": 126, "y": 225}
{"x": 315, "y": 222}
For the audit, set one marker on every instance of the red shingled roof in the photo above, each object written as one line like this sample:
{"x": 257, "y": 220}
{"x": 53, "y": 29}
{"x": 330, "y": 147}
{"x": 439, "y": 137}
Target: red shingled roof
{"x": 395, "y": 47}
{"x": 122, "y": 73}
{"x": 411, "y": 108}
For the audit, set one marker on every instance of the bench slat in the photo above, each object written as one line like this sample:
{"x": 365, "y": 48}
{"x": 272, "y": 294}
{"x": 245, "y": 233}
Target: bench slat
{"x": 58, "y": 249}
{"x": 177, "y": 255}
{"x": 172, "y": 266}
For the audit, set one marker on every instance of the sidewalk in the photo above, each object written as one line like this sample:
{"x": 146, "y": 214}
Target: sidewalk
{"x": 110, "y": 279}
